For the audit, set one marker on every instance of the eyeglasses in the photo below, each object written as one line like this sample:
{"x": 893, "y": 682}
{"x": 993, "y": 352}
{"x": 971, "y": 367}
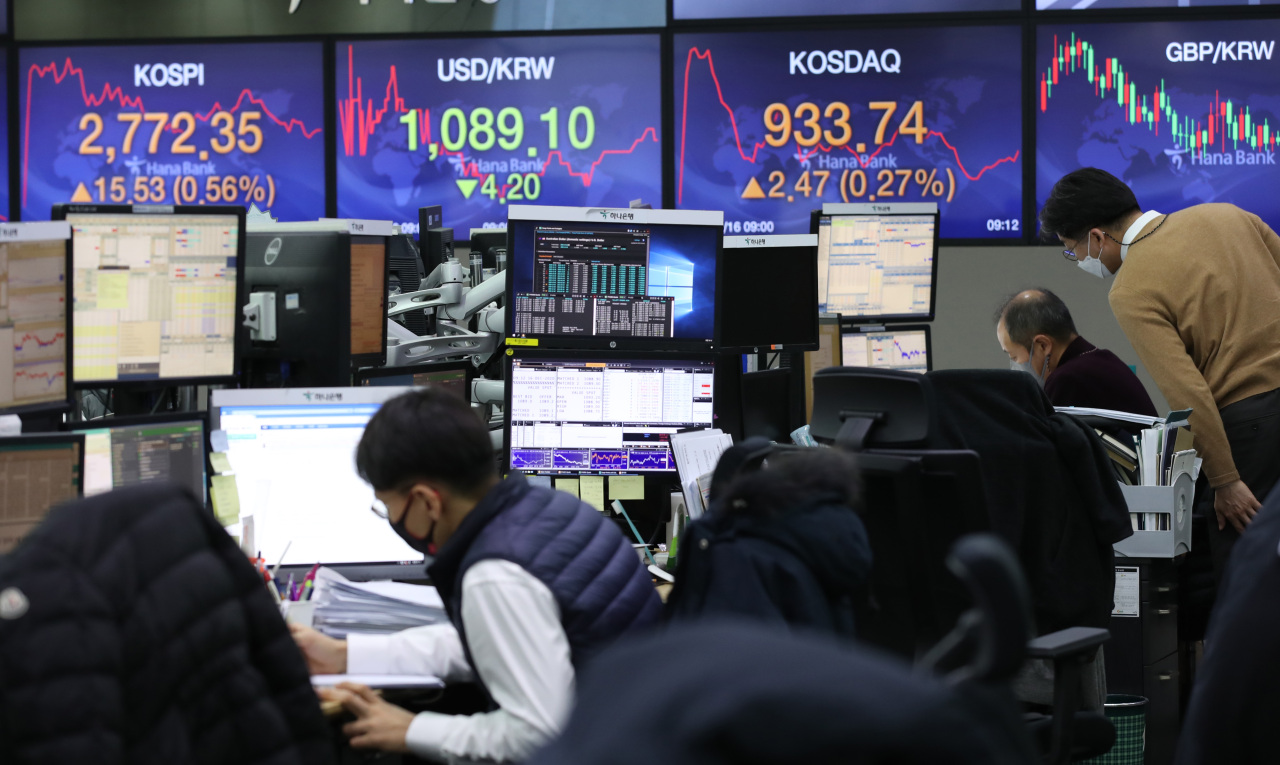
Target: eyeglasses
{"x": 379, "y": 509}
{"x": 1071, "y": 253}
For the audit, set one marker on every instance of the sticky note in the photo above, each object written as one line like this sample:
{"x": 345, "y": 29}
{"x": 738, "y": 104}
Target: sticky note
{"x": 218, "y": 440}
{"x": 219, "y": 462}
{"x": 592, "y": 487}
{"x": 113, "y": 289}
{"x": 569, "y": 485}
{"x": 626, "y": 487}
{"x": 226, "y": 499}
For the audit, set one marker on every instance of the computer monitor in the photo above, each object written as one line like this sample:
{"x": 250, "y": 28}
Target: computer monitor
{"x": 35, "y": 332}
{"x": 596, "y": 413}
{"x": 36, "y": 473}
{"x": 828, "y": 355}
{"x": 328, "y": 282}
{"x": 123, "y": 451}
{"x": 877, "y": 263}
{"x": 406, "y": 274}
{"x": 293, "y": 455}
{"x": 155, "y": 293}
{"x": 905, "y": 347}
{"x": 451, "y": 376}
{"x": 769, "y": 293}
{"x": 628, "y": 279}
{"x": 766, "y": 405}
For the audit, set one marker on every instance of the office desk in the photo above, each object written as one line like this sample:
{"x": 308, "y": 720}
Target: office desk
{"x": 451, "y": 699}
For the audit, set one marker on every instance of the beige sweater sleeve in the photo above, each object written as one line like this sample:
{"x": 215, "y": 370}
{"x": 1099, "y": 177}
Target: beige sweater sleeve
{"x": 1153, "y": 335}
{"x": 1269, "y": 237}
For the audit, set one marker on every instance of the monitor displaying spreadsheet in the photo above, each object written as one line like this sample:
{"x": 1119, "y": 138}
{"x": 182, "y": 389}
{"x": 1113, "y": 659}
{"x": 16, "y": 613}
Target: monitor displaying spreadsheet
{"x": 155, "y": 293}
{"x": 34, "y": 317}
{"x": 123, "y": 451}
{"x": 592, "y": 413}
{"x": 36, "y": 473}
{"x": 877, "y": 267}
{"x": 902, "y": 347}
{"x": 292, "y": 451}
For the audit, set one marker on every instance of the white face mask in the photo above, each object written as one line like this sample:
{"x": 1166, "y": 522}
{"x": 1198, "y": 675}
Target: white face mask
{"x": 1092, "y": 265}
{"x": 1025, "y": 366}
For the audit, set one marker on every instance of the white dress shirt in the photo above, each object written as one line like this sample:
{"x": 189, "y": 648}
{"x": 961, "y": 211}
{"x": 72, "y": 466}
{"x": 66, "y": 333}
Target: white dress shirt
{"x": 521, "y": 653}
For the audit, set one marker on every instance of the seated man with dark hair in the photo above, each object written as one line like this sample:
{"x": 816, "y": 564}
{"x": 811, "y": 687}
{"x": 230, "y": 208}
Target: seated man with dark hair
{"x": 1035, "y": 328}
{"x": 535, "y": 583}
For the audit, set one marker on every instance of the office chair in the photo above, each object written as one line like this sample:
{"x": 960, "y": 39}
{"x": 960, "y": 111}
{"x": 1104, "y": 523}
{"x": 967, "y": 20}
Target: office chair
{"x": 918, "y": 502}
{"x": 738, "y": 692}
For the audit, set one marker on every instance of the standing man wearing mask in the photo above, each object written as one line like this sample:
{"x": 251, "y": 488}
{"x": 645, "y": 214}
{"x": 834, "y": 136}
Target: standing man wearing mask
{"x": 1035, "y": 329}
{"x": 1197, "y": 292}
{"x": 535, "y": 583}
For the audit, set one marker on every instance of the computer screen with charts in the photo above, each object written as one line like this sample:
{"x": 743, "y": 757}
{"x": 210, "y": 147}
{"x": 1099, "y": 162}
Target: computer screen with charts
{"x": 36, "y": 473}
{"x": 123, "y": 451}
{"x": 34, "y": 316}
{"x": 293, "y": 454}
{"x": 155, "y": 292}
{"x": 589, "y": 413}
{"x": 769, "y": 293}
{"x": 904, "y": 347}
{"x": 877, "y": 263}
{"x": 583, "y": 277}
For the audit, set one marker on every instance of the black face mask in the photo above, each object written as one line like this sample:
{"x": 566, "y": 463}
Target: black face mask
{"x": 423, "y": 545}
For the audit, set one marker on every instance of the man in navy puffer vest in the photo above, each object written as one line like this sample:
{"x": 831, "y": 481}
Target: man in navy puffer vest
{"x": 535, "y": 582}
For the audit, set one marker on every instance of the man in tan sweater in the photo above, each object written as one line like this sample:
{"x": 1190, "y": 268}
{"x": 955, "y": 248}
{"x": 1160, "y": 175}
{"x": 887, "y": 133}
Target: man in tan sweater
{"x": 1197, "y": 292}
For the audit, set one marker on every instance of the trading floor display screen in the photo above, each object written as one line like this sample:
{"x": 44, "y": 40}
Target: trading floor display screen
{"x": 33, "y": 316}
{"x": 132, "y": 454}
{"x": 604, "y": 414}
{"x": 154, "y": 296}
{"x": 894, "y": 348}
{"x": 877, "y": 267}
{"x": 36, "y": 473}
{"x": 642, "y": 280}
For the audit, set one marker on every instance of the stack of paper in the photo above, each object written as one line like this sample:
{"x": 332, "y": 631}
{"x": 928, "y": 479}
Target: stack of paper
{"x": 344, "y": 606}
{"x": 696, "y": 456}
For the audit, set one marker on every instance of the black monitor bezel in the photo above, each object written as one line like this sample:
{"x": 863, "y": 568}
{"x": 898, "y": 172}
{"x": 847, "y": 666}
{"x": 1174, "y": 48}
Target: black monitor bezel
{"x": 358, "y": 376}
{"x": 241, "y": 337}
{"x": 816, "y": 215}
{"x": 853, "y": 328}
{"x": 721, "y": 293}
{"x": 590, "y": 355}
{"x": 628, "y": 344}
{"x": 67, "y": 403}
{"x": 163, "y": 418}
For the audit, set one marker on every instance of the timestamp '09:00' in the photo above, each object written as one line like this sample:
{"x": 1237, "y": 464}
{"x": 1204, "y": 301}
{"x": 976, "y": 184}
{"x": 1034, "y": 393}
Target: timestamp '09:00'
{"x": 748, "y": 227}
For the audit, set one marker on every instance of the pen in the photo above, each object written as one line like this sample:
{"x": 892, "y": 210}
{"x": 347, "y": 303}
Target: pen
{"x": 276, "y": 570}
{"x": 311, "y": 575}
{"x": 307, "y": 591}
{"x": 288, "y": 589}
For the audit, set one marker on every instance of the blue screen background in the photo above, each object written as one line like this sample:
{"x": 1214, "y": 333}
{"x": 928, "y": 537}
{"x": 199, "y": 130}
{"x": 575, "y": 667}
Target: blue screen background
{"x": 1079, "y": 126}
{"x": 617, "y": 77}
{"x": 975, "y": 108}
{"x": 682, "y": 263}
{"x": 282, "y": 81}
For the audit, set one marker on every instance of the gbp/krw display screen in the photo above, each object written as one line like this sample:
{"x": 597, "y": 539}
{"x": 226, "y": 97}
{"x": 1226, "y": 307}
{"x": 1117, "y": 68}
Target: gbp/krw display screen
{"x": 173, "y": 124}
{"x": 475, "y": 125}
{"x": 768, "y": 126}
{"x": 1184, "y": 113}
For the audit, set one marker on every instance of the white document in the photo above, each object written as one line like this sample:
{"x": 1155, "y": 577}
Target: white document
{"x": 1127, "y": 595}
{"x": 696, "y": 455}
{"x": 1149, "y": 456}
{"x": 1110, "y": 414}
{"x": 379, "y": 681}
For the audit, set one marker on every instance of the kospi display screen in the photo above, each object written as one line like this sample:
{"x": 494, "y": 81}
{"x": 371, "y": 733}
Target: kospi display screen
{"x": 476, "y": 124}
{"x": 4, "y": 133}
{"x": 769, "y": 125}
{"x": 730, "y": 9}
{"x": 1183, "y": 112}
{"x": 173, "y": 124}
{"x": 1076, "y": 5}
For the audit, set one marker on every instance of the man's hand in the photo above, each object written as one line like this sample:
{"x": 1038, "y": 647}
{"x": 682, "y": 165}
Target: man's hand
{"x": 325, "y": 655}
{"x": 1235, "y": 504}
{"x": 378, "y": 724}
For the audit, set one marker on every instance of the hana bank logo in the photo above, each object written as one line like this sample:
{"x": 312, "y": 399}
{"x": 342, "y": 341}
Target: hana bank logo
{"x": 293, "y": 4}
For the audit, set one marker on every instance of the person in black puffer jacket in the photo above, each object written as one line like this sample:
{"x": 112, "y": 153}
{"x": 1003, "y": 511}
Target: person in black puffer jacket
{"x": 783, "y": 545}
{"x": 134, "y": 630}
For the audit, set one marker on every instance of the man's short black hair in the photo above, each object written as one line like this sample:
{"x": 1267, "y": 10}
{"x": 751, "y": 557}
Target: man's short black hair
{"x": 1040, "y": 313}
{"x": 1085, "y": 199}
{"x": 426, "y": 435}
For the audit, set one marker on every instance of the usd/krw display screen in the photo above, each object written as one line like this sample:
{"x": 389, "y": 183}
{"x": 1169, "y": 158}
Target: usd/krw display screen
{"x": 475, "y": 125}
{"x": 730, "y": 9}
{"x": 1184, "y": 113}
{"x": 768, "y": 126}
{"x": 4, "y": 134}
{"x": 173, "y": 124}
{"x": 1076, "y": 5}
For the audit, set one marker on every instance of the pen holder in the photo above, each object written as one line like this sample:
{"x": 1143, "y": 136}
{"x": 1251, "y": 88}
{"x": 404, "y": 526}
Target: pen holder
{"x": 298, "y": 611}
{"x": 1174, "y": 501}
